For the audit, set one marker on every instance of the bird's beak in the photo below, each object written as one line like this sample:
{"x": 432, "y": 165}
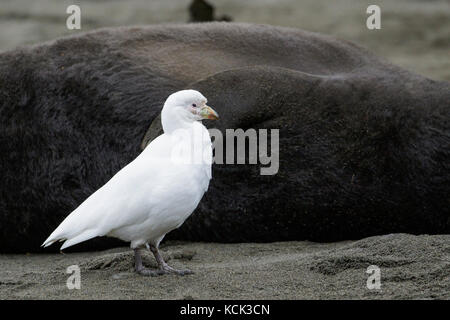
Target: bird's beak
{"x": 208, "y": 113}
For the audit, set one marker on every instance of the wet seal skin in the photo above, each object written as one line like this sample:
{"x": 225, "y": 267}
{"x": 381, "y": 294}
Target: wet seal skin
{"x": 364, "y": 145}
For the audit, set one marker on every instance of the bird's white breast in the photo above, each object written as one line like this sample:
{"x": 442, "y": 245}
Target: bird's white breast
{"x": 171, "y": 184}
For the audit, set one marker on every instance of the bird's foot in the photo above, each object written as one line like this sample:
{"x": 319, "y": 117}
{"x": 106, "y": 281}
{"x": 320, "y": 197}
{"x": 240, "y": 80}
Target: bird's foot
{"x": 168, "y": 269}
{"x": 148, "y": 272}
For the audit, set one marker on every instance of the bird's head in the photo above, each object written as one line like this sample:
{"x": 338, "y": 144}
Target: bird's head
{"x": 189, "y": 105}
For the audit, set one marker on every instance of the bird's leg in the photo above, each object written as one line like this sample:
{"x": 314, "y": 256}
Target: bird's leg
{"x": 163, "y": 266}
{"x": 139, "y": 267}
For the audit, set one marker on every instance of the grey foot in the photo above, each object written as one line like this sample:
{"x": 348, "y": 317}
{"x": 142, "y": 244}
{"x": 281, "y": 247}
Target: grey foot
{"x": 168, "y": 269}
{"x": 148, "y": 272}
{"x": 140, "y": 269}
{"x": 163, "y": 266}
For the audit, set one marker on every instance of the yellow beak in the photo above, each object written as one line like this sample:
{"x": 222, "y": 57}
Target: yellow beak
{"x": 208, "y": 113}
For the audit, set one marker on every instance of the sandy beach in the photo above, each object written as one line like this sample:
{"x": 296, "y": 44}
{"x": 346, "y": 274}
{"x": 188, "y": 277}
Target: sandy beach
{"x": 411, "y": 267}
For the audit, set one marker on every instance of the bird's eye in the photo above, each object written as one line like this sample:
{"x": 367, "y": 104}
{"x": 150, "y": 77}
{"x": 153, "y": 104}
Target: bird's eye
{"x": 194, "y": 105}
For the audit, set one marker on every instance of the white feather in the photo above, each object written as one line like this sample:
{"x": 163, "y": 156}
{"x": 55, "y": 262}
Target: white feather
{"x": 150, "y": 196}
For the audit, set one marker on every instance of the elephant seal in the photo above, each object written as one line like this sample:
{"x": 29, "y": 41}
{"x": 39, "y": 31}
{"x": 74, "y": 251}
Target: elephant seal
{"x": 363, "y": 144}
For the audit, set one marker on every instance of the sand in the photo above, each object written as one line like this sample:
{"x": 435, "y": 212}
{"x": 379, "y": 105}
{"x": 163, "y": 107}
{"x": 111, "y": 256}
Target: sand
{"x": 411, "y": 267}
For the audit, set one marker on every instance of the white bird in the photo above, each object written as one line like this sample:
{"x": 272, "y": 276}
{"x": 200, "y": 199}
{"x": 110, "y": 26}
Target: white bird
{"x": 156, "y": 192}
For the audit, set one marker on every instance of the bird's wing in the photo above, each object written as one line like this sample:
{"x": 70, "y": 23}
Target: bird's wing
{"x": 110, "y": 206}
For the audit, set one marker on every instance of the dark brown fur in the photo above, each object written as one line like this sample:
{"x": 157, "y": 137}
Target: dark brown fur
{"x": 364, "y": 145}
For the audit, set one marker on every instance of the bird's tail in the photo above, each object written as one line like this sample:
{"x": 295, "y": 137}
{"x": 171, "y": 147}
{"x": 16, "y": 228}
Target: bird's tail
{"x": 72, "y": 240}
{"x": 54, "y": 237}
{"x": 49, "y": 242}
